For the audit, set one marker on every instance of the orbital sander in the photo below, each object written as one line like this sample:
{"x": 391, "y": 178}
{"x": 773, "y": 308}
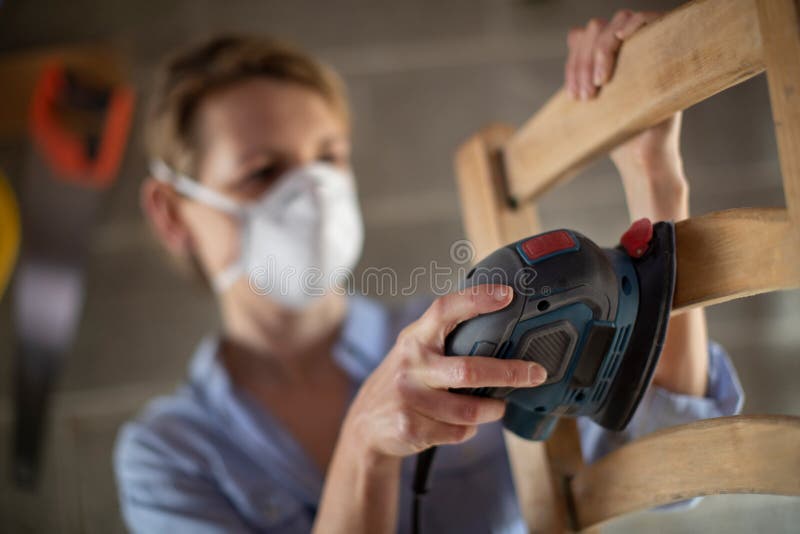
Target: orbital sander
{"x": 594, "y": 318}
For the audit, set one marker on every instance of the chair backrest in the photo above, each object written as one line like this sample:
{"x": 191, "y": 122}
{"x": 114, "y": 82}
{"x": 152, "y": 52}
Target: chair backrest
{"x": 688, "y": 55}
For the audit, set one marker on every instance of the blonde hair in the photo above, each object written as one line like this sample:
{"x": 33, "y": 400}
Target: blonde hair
{"x": 185, "y": 78}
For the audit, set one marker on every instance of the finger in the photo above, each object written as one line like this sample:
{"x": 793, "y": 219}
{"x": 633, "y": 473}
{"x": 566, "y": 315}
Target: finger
{"x": 585, "y": 60}
{"x": 453, "y": 408}
{"x": 634, "y": 22}
{"x": 447, "y": 311}
{"x": 422, "y": 432}
{"x": 675, "y": 123}
{"x": 570, "y": 77}
{"x": 606, "y": 47}
{"x": 443, "y": 372}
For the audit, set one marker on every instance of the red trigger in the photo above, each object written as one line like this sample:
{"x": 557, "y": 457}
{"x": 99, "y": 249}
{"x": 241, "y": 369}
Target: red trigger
{"x": 637, "y": 238}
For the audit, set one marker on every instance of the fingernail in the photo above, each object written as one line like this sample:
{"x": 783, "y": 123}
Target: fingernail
{"x": 536, "y": 374}
{"x": 584, "y": 93}
{"x": 599, "y": 75}
{"x": 501, "y": 293}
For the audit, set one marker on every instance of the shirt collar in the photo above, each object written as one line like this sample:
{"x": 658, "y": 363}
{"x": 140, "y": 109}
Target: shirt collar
{"x": 365, "y": 338}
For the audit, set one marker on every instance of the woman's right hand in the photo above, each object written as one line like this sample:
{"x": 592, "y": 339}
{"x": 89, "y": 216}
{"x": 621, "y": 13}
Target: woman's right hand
{"x": 405, "y": 407}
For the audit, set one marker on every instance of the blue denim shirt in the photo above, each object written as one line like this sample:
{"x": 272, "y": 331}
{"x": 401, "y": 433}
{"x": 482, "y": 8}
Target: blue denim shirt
{"x": 208, "y": 459}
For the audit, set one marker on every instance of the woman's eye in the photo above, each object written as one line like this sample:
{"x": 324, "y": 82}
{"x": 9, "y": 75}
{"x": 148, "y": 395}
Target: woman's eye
{"x": 267, "y": 172}
{"x": 330, "y": 158}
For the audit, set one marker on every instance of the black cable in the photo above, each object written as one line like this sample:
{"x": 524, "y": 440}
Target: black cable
{"x": 420, "y": 485}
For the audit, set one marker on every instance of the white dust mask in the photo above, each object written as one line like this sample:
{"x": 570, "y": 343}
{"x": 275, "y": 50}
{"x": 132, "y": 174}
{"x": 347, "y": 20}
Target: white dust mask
{"x": 298, "y": 240}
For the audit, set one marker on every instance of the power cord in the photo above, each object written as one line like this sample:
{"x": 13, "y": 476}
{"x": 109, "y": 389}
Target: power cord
{"x": 420, "y": 485}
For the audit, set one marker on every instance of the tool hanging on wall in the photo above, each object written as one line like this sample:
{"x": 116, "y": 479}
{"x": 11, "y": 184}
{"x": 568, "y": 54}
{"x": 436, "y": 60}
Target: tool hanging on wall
{"x": 79, "y": 130}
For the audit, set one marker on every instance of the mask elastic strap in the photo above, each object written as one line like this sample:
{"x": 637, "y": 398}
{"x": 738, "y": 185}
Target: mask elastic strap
{"x": 196, "y": 191}
{"x": 225, "y": 279}
{"x": 192, "y": 188}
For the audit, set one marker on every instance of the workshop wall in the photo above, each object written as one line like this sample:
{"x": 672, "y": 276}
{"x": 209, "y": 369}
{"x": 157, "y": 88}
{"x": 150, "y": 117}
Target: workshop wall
{"x": 422, "y": 76}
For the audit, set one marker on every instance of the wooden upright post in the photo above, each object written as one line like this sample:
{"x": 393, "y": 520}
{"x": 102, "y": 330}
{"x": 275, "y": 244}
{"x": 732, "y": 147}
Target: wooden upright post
{"x": 779, "y": 21}
{"x": 541, "y": 470}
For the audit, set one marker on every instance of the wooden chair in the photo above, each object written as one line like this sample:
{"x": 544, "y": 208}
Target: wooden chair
{"x": 688, "y": 55}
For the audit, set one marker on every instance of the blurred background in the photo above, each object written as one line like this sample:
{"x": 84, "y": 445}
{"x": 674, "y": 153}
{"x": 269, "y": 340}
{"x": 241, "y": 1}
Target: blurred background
{"x": 422, "y": 77}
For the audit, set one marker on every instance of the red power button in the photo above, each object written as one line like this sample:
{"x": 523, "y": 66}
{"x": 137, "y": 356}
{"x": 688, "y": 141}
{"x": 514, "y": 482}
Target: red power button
{"x": 548, "y": 244}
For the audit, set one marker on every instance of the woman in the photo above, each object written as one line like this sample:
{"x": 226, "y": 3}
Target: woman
{"x": 305, "y": 411}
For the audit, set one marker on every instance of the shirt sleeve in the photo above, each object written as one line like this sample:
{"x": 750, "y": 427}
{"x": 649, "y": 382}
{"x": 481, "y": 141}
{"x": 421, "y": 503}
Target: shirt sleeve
{"x": 661, "y": 408}
{"x": 161, "y": 491}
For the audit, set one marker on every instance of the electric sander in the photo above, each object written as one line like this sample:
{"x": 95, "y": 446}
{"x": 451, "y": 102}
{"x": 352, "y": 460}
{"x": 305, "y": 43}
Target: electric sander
{"x": 594, "y": 318}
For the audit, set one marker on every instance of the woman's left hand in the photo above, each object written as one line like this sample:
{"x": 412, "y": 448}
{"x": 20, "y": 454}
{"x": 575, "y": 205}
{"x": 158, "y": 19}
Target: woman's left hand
{"x": 650, "y": 162}
{"x": 655, "y": 185}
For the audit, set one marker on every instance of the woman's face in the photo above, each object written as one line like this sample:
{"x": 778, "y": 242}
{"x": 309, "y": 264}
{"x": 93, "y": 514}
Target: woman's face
{"x": 249, "y": 135}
